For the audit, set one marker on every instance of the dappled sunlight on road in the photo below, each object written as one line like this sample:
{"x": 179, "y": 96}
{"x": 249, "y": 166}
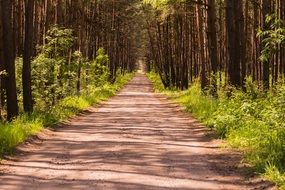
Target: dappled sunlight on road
{"x": 137, "y": 140}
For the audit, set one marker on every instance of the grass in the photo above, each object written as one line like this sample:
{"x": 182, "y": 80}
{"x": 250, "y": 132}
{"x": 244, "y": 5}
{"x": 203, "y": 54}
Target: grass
{"x": 17, "y": 131}
{"x": 252, "y": 122}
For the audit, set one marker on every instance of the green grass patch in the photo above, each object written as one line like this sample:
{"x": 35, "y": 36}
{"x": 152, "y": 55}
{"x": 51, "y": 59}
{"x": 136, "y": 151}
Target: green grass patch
{"x": 17, "y": 131}
{"x": 251, "y": 121}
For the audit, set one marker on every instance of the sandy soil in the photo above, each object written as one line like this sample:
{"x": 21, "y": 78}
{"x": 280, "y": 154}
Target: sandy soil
{"x": 137, "y": 141}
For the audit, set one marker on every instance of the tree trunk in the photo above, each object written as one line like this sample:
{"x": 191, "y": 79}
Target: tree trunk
{"x": 201, "y": 43}
{"x": 2, "y": 68}
{"x": 9, "y": 59}
{"x": 266, "y": 67}
{"x": 213, "y": 42}
{"x": 233, "y": 31}
{"x": 28, "y": 48}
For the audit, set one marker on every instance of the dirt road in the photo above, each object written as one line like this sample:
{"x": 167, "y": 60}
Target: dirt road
{"x": 135, "y": 141}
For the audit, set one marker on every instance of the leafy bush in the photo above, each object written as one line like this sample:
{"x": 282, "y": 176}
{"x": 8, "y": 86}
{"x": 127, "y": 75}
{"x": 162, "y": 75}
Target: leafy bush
{"x": 57, "y": 72}
{"x": 98, "y": 72}
{"x": 52, "y": 70}
{"x": 272, "y": 37}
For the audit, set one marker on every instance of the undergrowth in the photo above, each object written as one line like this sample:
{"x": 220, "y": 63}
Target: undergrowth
{"x": 17, "y": 131}
{"x": 251, "y": 121}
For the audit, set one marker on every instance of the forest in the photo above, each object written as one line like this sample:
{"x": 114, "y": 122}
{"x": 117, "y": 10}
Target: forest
{"x": 222, "y": 60}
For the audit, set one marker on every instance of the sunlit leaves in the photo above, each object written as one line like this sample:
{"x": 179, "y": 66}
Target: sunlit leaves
{"x": 272, "y": 37}
{"x": 57, "y": 71}
{"x": 59, "y": 40}
{"x": 162, "y": 3}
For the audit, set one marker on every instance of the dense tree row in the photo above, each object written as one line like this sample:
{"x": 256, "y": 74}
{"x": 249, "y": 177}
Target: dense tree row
{"x": 57, "y": 44}
{"x": 36, "y": 33}
{"x": 190, "y": 39}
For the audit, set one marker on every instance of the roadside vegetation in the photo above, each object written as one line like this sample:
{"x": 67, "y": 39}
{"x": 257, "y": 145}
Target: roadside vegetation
{"x": 251, "y": 121}
{"x": 227, "y": 69}
{"x": 63, "y": 84}
{"x": 15, "y": 132}
{"x": 59, "y": 57}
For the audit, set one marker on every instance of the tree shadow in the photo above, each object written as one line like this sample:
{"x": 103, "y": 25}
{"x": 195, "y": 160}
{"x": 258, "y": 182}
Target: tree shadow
{"x": 131, "y": 142}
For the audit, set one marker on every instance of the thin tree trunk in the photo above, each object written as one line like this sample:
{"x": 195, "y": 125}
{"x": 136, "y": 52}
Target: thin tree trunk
{"x": 213, "y": 42}
{"x": 28, "y": 48}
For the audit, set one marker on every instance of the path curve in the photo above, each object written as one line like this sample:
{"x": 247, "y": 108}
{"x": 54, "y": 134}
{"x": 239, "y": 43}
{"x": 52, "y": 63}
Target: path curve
{"x": 135, "y": 141}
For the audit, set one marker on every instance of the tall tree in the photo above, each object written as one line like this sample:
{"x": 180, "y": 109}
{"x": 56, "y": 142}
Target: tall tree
{"x": 213, "y": 41}
{"x": 9, "y": 59}
{"x": 28, "y": 49}
{"x": 266, "y": 64}
{"x": 234, "y": 13}
{"x": 201, "y": 43}
{"x": 2, "y": 67}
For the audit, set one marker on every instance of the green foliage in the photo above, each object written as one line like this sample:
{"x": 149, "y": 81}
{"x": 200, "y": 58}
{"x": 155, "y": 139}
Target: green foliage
{"x": 273, "y": 174}
{"x": 250, "y": 121}
{"x": 158, "y": 86}
{"x": 156, "y": 3}
{"x": 98, "y": 72}
{"x": 272, "y": 37}
{"x": 195, "y": 101}
{"x": 16, "y": 132}
{"x": 56, "y": 73}
{"x": 52, "y": 71}
{"x": 162, "y": 3}
{"x": 55, "y": 70}
{"x": 19, "y": 67}
{"x": 59, "y": 40}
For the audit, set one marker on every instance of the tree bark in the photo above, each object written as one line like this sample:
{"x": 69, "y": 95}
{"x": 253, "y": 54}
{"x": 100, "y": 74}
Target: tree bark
{"x": 213, "y": 42}
{"x": 233, "y": 30}
{"x": 266, "y": 64}
{"x": 9, "y": 60}
{"x": 201, "y": 43}
{"x": 28, "y": 48}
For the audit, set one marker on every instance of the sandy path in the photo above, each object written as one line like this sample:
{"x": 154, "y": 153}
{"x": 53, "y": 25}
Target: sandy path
{"x": 134, "y": 141}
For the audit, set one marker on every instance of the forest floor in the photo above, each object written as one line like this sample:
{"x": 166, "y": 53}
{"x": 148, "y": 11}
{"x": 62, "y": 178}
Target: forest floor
{"x": 138, "y": 140}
